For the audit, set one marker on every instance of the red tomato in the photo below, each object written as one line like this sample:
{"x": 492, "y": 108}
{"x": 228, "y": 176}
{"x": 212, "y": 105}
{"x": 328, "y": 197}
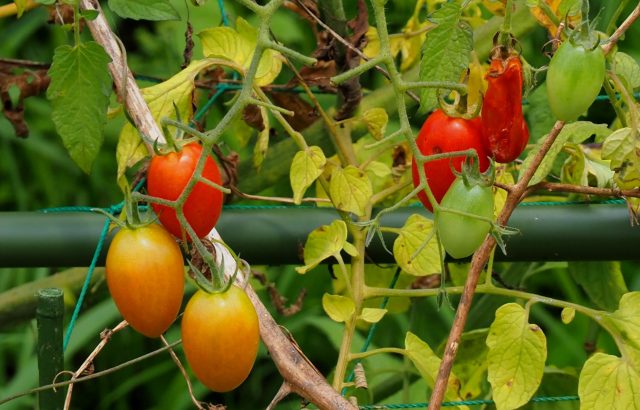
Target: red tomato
{"x": 505, "y": 131}
{"x": 220, "y": 337}
{"x": 441, "y": 133}
{"x": 167, "y": 177}
{"x": 145, "y": 276}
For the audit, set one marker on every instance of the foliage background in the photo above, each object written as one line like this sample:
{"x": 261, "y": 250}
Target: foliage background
{"x": 37, "y": 173}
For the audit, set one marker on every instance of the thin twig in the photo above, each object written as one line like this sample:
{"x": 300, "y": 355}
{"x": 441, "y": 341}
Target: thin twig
{"x": 105, "y": 336}
{"x": 621, "y": 30}
{"x": 585, "y": 190}
{"x": 176, "y": 360}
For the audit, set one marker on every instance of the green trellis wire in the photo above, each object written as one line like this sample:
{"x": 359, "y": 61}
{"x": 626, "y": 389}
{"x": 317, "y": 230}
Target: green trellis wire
{"x": 464, "y": 403}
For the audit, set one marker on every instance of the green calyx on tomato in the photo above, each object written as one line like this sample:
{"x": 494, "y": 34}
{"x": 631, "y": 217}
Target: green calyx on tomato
{"x": 145, "y": 276}
{"x": 220, "y": 337}
{"x": 439, "y": 134}
{"x": 574, "y": 79}
{"x": 505, "y": 131}
{"x": 463, "y": 218}
{"x": 167, "y": 177}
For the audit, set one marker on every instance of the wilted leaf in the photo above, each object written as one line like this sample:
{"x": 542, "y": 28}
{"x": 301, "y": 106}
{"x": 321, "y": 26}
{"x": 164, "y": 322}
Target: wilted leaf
{"x": 339, "y": 308}
{"x": 627, "y": 69}
{"x": 517, "y": 354}
{"x": 306, "y": 167}
{"x": 303, "y": 113}
{"x": 415, "y": 249}
{"x": 79, "y": 93}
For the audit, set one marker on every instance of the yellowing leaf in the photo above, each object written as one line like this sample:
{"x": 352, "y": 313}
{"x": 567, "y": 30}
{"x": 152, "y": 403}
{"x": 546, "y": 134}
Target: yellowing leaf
{"x": 609, "y": 382}
{"x": 161, "y": 99}
{"x": 476, "y": 85}
{"x": 323, "y": 242}
{"x": 428, "y": 364}
{"x": 339, "y": 308}
{"x": 517, "y": 353}
{"x": 471, "y": 363}
{"x": 262, "y": 143}
{"x": 415, "y": 249}
{"x": 372, "y": 315}
{"x": 618, "y": 146}
{"x": 238, "y": 47}
{"x": 376, "y": 120}
{"x": 350, "y": 189}
{"x": 306, "y": 167}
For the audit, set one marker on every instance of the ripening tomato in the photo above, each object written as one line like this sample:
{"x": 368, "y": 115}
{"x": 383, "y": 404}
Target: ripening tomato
{"x": 505, "y": 131}
{"x": 220, "y": 337}
{"x": 462, "y": 235}
{"x": 167, "y": 177}
{"x": 145, "y": 276}
{"x": 574, "y": 79}
{"x": 441, "y": 133}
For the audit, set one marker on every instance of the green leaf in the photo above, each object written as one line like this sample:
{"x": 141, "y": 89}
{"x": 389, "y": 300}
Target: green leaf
{"x": 156, "y": 10}
{"x": 416, "y": 249}
{"x": 445, "y": 53}
{"x": 306, "y": 167}
{"x": 79, "y": 92}
{"x": 602, "y": 281}
{"x": 627, "y": 69}
{"x": 575, "y": 132}
{"x": 583, "y": 165}
{"x": 372, "y": 315}
{"x": 350, "y": 189}
{"x": 238, "y": 47}
{"x": 339, "y": 308}
{"x": 539, "y": 115}
{"x": 609, "y": 382}
{"x": 323, "y": 242}
{"x": 428, "y": 364}
{"x": 627, "y": 321}
{"x": 517, "y": 353}
{"x": 161, "y": 98}
{"x": 567, "y": 315}
{"x": 376, "y": 120}
{"x": 89, "y": 14}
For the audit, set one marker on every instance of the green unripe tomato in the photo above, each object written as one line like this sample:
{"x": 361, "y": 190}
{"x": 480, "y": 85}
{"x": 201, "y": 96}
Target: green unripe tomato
{"x": 462, "y": 235}
{"x": 574, "y": 79}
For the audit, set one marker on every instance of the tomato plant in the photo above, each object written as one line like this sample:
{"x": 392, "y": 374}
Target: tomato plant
{"x": 461, "y": 235}
{"x": 167, "y": 177}
{"x": 505, "y": 132}
{"x": 145, "y": 275}
{"x": 574, "y": 79}
{"x": 220, "y": 337}
{"x": 441, "y": 133}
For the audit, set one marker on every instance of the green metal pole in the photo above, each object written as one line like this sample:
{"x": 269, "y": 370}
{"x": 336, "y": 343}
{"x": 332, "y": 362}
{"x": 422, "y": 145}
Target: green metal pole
{"x": 49, "y": 314}
{"x": 275, "y": 236}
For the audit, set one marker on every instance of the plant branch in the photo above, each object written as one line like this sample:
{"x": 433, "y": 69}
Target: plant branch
{"x": 621, "y": 30}
{"x": 586, "y": 190}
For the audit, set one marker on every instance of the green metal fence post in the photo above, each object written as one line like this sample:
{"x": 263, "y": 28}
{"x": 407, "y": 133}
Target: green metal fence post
{"x": 49, "y": 314}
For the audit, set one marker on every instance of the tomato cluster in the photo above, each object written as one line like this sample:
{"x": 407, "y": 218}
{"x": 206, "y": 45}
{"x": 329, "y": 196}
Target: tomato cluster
{"x": 145, "y": 275}
{"x": 500, "y": 132}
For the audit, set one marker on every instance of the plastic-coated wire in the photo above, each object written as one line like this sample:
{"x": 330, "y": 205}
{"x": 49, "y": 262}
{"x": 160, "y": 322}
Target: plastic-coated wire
{"x": 463, "y": 403}
{"x": 373, "y": 328}
{"x": 225, "y": 20}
